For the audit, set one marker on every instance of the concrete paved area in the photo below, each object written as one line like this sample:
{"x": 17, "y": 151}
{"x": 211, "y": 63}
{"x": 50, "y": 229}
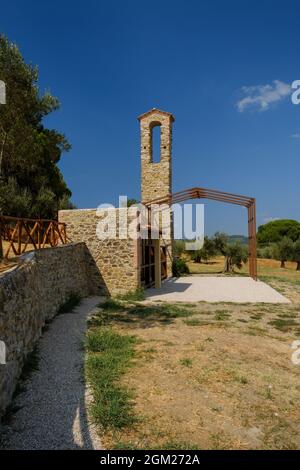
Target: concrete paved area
{"x": 52, "y": 411}
{"x": 215, "y": 289}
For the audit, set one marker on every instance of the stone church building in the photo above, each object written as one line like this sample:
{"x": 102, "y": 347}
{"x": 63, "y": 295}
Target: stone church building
{"x": 123, "y": 264}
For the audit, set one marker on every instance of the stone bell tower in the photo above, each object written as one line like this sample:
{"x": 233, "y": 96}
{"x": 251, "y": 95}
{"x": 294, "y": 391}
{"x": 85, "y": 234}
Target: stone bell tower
{"x": 156, "y": 178}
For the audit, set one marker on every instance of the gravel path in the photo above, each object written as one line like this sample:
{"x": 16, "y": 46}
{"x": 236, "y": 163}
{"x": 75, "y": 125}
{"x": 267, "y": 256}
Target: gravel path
{"x": 215, "y": 289}
{"x": 52, "y": 412}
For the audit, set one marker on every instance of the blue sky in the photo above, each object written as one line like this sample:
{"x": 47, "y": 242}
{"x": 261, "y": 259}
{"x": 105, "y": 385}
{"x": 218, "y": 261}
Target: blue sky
{"x": 211, "y": 63}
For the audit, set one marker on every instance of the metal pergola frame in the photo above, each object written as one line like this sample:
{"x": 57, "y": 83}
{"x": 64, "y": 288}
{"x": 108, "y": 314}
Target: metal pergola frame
{"x": 230, "y": 198}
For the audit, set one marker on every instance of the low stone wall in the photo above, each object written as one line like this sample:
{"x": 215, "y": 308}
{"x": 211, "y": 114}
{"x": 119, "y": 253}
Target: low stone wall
{"x": 30, "y": 294}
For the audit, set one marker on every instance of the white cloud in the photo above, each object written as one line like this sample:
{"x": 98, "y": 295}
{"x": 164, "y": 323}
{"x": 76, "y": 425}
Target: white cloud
{"x": 260, "y": 97}
{"x": 296, "y": 136}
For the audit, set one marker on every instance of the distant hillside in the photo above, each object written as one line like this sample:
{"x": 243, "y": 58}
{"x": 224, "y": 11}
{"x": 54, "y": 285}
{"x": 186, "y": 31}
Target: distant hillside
{"x": 238, "y": 238}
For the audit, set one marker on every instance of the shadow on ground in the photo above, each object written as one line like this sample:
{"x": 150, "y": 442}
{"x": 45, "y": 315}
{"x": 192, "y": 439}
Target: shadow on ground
{"x": 137, "y": 314}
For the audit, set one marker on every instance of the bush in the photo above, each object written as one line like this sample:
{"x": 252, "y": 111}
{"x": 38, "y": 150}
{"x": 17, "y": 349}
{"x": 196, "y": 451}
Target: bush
{"x": 265, "y": 252}
{"x": 197, "y": 256}
{"x": 179, "y": 247}
{"x": 179, "y": 267}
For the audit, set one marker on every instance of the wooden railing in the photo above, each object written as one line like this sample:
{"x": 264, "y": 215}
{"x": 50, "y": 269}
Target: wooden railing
{"x": 39, "y": 233}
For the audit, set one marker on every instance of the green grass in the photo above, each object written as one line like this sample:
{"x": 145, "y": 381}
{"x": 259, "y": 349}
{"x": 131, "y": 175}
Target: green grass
{"x": 194, "y": 322}
{"x": 256, "y": 316}
{"x": 283, "y": 324}
{"x": 186, "y": 362}
{"x": 241, "y": 379}
{"x": 120, "y": 302}
{"x": 113, "y": 310}
{"x": 167, "y": 311}
{"x": 269, "y": 393}
{"x": 221, "y": 315}
{"x": 169, "y": 445}
{"x": 173, "y": 445}
{"x": 125, "y": 446}
{"x": 255, "y": 331}
{"x": 204, "y": 312}
{"x": 109, "y": 354}
{"x": 150, "y": 350}
{"x": 68, "y": 306}
{"x": 278, "y": 277}
{"x": 133, "y": 296}
{"x": 287, "y": 315}
{"x": 111, "y": 305}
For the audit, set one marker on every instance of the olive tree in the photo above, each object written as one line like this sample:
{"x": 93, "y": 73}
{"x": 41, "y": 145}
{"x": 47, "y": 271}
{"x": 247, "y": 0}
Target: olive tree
{"x": 283, "y": 250}
{"x": 205, "y": 253}
{"x": 296, "y": 253}
{"x": 235, "y": 254}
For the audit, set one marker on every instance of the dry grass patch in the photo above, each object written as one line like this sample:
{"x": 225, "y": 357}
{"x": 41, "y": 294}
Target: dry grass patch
{"x": 207, "y": 376}
{"x": 235, "y": 387}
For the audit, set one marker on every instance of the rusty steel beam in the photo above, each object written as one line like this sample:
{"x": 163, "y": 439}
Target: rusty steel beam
{"x": 198, "y": 191}
{"x": 221, "y": 196}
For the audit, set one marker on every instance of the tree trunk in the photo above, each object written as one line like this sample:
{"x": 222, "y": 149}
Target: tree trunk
{"x": 2, "y": 151}
{"x": 228, "y": 265}
{"x": 298, "y": 266}
{"x": 282, "y": 265}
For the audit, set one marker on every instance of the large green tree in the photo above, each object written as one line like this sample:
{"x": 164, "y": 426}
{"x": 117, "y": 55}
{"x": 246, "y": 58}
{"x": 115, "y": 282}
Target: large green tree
{"x": 274, "y": 231}
{"x": 31, "y": 184}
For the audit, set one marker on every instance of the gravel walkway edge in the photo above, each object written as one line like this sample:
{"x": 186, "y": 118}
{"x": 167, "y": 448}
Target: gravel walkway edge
{"x": 52, "y": 410}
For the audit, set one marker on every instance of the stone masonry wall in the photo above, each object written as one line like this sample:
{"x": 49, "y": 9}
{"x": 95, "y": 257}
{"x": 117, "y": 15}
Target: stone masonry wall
{"x": 116, "y": 259}
{"x": 156, "y": 178}
{"x": 32, "y": 293}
